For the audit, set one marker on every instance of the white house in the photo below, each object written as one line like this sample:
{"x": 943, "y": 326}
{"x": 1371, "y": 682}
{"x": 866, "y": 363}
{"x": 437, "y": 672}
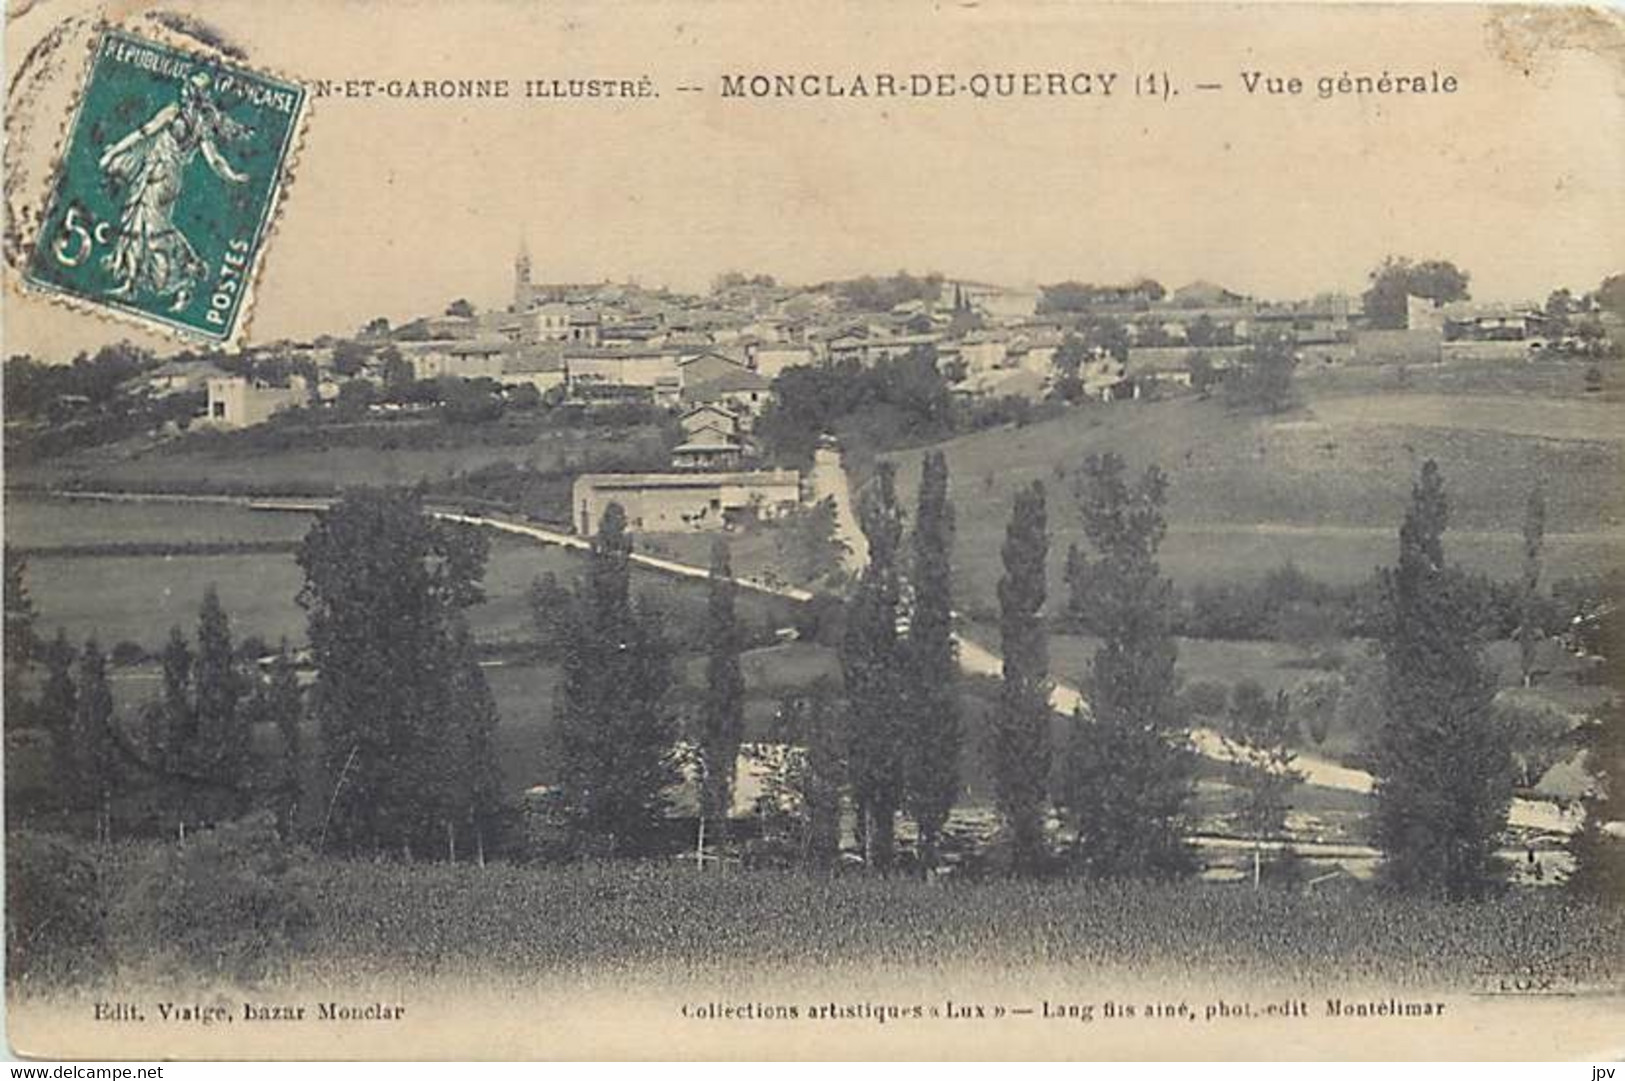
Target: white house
{"x": 234, "y": 402}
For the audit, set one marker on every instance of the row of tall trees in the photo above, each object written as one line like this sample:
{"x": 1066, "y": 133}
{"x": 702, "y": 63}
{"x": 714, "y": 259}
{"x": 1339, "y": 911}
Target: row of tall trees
{"x": 189, "y": 759}
{"x": 406, "y": 722}
{"x": 1125, "y": 774}
{"x": 1444, "y": 757}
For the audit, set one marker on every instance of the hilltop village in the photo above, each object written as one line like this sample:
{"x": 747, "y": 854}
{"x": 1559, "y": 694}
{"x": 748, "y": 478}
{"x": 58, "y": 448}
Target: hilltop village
{"x": 712, "y": 362}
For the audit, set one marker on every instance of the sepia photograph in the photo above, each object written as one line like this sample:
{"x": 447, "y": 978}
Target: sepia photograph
{"x": 999, "y": 529}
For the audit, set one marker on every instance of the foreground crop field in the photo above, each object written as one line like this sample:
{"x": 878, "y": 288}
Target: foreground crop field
{"x": 422, "y": 919}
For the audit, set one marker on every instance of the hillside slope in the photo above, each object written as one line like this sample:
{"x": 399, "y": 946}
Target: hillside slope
{"x": 1324, "y": 485}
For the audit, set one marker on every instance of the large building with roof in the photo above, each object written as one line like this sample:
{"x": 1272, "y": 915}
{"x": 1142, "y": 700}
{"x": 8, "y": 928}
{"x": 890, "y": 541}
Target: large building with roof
{"x": 683, "y": 502}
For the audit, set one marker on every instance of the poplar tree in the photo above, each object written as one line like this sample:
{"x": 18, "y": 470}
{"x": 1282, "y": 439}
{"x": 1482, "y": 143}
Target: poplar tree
{"x": 825, "y": 774}
{"x": 1443, "y": 766}
{"x": 222, "y": 750}
{"x": 20, "y": 639}
{"x": 282, "y": 705}
{"x": 803, "y": 784}
{"x": 95, "y": 738}
{"x": 1534, "y": 535}
{"x": 931, "y": 669}
{"x": 1129, "y": 769}
{"x": 59, "y": 706}
{"x": 177, "y": 726}
{"x": 616, "y": 731}
{"x": 472, "y": 784}
{"x": 722, "y": 709}
{"x": 384, "y": 588}
{"x": 1020, "y": 737}
{"x": 871, "y": 664}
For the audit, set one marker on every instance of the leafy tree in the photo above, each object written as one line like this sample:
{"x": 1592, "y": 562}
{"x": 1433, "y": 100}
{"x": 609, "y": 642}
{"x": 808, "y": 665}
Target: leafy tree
{"x": 524, "y": 396}
{"x": 1020, "y": 736}
{"x": 397, "y": 371}
{"x": 95, "y": 738}
{"x": 930, "y": 656}
{"x": 892, "y": 402}
{"x": 804, "y": 781}
{"x": 1102, "y": 332}
{"x": 1128, "y": 771}
{"x": 1074, "y": 296}
{"x": 722, "y": 710}
{"x": 1202, "y": 373}
{"x": 1262, "y": 377}
{"x": 1398, "y": 277}
{"x": 1442, "y": 766}
{"x": 1537, "y": 732}
{"x": 20, "y": 642}
{"x": 808, "y": 543}
{"x": 350, "y": 357}
{"x": 1258, "y": 734}
{"x": 385, "y": 585}
{"x": 460, "y": 308}
{"x": 20, "y": 639}
{"x": 871, "y": 664}
{"x": 1559, "y": 306}
{"x": 1314, "y": 705}
{"x": 882, "y": 294}
{"x": 1070, "y": 355}
{"x": 1534, "y": 535}
{"x": 1599, "y": 855}
{"x": 58, "y": 708}
{"x": 1610, "y": 295}
{"x": 616, "y": 733}
{"x": 354, "y": 398}
{"x": 1202, "y": 332}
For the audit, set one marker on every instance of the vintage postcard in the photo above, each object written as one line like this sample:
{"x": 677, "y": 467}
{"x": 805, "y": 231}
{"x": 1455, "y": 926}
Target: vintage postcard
{"x": 1016, "y": 530}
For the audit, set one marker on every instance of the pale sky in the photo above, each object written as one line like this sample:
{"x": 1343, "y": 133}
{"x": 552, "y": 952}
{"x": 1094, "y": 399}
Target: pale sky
{"x": 400, "y": 206}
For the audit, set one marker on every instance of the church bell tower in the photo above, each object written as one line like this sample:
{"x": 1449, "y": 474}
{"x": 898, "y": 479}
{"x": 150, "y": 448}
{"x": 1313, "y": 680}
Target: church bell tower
{"x": 521, "y": 278}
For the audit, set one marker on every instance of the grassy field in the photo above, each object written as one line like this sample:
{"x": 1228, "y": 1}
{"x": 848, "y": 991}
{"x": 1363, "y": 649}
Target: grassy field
{"x": 36, "y": 521}
{"x": 208, "y": 463}
{"x": 1324, "y": 486}
{"x": 138, "y": 598}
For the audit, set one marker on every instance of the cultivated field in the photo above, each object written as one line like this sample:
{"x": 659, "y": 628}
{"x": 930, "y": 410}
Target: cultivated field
{"x": 437, "y": 919}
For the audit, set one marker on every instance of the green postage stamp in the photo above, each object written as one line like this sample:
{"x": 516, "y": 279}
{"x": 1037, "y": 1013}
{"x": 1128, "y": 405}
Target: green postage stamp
{"x": 167, "y": 186}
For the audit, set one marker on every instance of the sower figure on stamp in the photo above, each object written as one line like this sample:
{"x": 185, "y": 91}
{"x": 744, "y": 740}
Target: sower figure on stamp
{"x": 150, "y": 252}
